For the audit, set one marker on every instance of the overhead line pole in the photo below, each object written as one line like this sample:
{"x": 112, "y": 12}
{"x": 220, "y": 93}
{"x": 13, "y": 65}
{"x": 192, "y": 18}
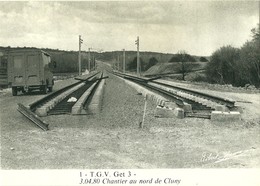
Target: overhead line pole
{"x": 123, "y": 60}
{"x": 118, "y": 62}
{"x": 89, "y": 60}
{"x": 93, "y": 61}
{"x": 138, "y": 61}
{"x": 97, "y": 50}
{"x": 79, "y": 58}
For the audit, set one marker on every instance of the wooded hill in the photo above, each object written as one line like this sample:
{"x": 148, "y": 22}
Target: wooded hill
{"x": 67, "y": 61}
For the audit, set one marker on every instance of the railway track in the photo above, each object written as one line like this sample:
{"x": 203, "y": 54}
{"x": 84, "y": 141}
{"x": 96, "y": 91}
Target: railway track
{"x": 65, "y": 106}
{"x": 63, "y": 101}
{"x": 219, "y": 100}
{"x": 60, "y": 100}
{"x": 33, "y": 106}
{"x": 202, "y": 104}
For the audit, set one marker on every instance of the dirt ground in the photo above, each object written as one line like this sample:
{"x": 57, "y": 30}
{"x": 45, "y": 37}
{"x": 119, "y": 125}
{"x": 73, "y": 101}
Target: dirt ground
{"x": 113, "y": 139}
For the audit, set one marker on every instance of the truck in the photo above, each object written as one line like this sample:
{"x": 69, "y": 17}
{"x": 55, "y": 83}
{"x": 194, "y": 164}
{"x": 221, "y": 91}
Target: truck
{"x": 3, "y": 70}
{"x": 28, "y": 70}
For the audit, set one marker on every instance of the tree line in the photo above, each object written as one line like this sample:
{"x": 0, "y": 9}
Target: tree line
{"x": 236, "y": 66}
{"x": 181, "y": 57}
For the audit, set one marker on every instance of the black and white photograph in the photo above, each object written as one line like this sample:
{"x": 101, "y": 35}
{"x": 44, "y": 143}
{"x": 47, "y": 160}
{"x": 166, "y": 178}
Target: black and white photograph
{"x": 129, "y": 93}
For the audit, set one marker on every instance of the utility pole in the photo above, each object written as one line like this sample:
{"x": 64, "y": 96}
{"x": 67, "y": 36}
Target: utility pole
{"x": 138, "y": 61}
{"x": 80, "y": 42}
{"x": 93, "y": 63}
{"x": 118, "y": 63}
{"x": 89, "y": 60}
{"x": 123, "y": 60}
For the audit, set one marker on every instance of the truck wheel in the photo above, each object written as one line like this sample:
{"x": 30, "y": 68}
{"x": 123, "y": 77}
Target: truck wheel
{"x": 14, "y": 91}
{"x": 44, "y": 89}
{"x": 50, "y": 89}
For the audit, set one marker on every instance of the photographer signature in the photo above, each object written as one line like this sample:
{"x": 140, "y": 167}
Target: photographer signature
{"x": 217, "y": 157}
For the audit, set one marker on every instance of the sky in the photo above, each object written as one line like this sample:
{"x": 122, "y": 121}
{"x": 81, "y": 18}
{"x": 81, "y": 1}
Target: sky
{"x": 198, "y": 27}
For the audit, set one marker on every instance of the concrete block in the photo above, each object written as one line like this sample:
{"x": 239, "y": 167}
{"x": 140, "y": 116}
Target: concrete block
{"x": 164, "y": 112}
{"x": 187, "y": 107}
{"x": 160, "y": 102}
{"x": 158, "y": 99}
{"x": 179, "y": 113}
{"x": 42, "y": 111}
{"x": 96, "y": 101}
{"x": 76, "y": 109}
{"x": 170, "y": 104}
{"x": 225, "y": 116}
{"x": 222, "y": 108}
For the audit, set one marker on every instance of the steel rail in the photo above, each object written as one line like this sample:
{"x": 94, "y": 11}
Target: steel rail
{"x": 29, "y": 112}
{"x": 198, "y": 115}
{"x": 177, "y": 100}
{"x": 32, "y": 116}
{"x": 35, "y": 104}
{"x": 198, "y": 110}
{"x": 220, "y": 100}
{"x": 223, "y": 101}
{"x": 65, "y": 107}
{"x": 94, "y": 90}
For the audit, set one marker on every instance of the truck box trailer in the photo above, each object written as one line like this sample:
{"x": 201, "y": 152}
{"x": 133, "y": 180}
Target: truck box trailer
{"x": 3, "y": 70}
{"x": 29, "y": 69}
